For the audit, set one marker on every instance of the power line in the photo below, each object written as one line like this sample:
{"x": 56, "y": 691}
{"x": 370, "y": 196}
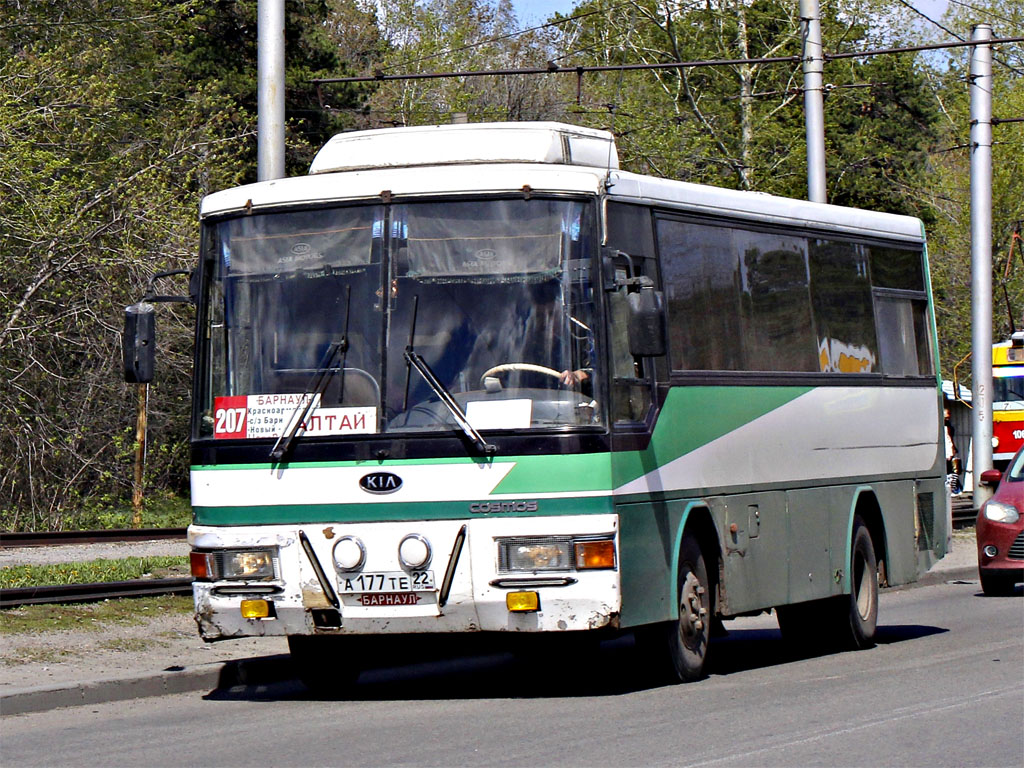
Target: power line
{"x": 552, "y": 68}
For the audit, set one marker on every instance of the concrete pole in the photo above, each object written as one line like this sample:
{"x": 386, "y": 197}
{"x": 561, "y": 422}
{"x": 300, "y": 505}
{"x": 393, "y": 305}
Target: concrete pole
{"x": 814, "y": 107}
{"x": 981, "y": 256}
{"x": 270, "y": 101}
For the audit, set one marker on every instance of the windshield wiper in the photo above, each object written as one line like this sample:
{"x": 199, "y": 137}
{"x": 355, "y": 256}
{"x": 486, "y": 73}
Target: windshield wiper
{"x": 316, "y": 386}
{"x": 415, "y": 360}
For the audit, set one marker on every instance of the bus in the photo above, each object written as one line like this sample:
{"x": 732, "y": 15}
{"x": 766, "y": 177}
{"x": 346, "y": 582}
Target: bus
{"x": 1007, "y": 399}
{"x": 477, "y": 379}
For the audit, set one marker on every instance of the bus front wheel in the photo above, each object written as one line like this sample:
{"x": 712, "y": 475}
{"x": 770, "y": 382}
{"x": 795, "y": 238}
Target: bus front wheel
{"x": 677, "y": 651}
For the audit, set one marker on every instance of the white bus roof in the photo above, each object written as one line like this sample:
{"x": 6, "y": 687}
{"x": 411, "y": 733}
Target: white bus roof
{"x": 494, "y": 158}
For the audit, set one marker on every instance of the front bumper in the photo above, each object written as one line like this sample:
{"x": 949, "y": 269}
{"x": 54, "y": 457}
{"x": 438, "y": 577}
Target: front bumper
{"x": 569, "y": 600}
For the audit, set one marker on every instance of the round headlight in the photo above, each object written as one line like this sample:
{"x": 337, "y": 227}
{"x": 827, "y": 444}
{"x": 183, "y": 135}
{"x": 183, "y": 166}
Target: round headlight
{"x": 414, "y": 551}
{"x": 999, "y": 512}
{"x": 349, "y": 554}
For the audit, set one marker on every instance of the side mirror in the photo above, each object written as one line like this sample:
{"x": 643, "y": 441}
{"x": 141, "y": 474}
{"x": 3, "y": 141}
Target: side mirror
{"x": 990, "y": 477}
{"x": 138, "y": 344}
{"x": 646, "y": 322}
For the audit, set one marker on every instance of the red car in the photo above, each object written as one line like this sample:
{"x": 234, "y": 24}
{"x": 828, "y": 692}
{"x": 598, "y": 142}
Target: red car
{"x": 1000, "y": 529}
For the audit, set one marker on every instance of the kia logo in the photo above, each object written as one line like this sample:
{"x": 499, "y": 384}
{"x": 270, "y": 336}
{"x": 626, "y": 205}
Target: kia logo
{"x": 380, "y": 482}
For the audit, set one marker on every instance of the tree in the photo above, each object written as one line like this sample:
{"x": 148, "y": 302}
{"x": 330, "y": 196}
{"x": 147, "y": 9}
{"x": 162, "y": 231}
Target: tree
{"x": 948, "y": 183}
{"x": 741, "y": 125}
{"x": 111, "y": 131}
{"x": 423, "y": 36}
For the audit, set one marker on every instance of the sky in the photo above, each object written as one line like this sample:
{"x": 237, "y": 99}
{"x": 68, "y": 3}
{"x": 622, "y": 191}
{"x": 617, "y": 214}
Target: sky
{"x": 532, "y": 12}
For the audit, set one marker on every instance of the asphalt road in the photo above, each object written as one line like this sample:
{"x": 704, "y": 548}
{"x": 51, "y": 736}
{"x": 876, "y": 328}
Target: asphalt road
{"x": 944, "y": 687}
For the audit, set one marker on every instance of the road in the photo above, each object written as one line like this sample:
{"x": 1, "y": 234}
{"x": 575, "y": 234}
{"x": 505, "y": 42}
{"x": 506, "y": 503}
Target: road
{"x": 944, "y": 687}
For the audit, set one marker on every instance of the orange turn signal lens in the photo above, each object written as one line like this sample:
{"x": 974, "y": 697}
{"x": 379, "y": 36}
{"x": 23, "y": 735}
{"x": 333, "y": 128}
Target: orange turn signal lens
{"x": 595, "y": 554}
{"x": 522, "y": 601}
{"x": 200, "y": 565}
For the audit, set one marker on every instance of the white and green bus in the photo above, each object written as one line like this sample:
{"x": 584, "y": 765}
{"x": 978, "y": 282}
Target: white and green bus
{"x": 474, "y": 378}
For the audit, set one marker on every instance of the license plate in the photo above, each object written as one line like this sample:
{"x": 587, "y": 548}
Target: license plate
{"x": 386, "y": 581}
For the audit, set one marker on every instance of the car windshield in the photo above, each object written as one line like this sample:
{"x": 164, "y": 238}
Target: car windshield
{"x": 1016, "y": 470}
{"x": 324, "y": 306}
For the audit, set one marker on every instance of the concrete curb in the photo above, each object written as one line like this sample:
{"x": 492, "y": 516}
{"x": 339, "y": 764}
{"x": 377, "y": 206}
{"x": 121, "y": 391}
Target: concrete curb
{"x": 210, "y": 677}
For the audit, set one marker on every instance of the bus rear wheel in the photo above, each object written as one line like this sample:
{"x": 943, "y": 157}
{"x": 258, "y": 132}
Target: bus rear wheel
{"x": 858, "y": 611}
{"x": 847, "y": 622}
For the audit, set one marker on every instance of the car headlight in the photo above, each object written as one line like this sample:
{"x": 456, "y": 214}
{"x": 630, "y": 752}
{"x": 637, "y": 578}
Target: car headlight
{"x": 555, "y": 553}
{"x": 237, "y": 565}
{"x": 999, "y": 512}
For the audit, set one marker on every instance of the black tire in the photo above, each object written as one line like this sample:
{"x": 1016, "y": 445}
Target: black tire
{"x": 858, "y": 611}
{"x": 325, "y": 664}
{"x": 677, "y": 651}
{"x": 996, "y": 584}
{"x": 847, "y": 622}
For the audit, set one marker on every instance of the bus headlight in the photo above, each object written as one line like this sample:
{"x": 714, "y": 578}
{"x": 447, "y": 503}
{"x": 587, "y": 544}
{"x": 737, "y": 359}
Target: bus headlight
{"x": 555, "y": 553}
{"x": 349, "y": 554}
{"x": 236, "y": 565}
{"x": 414, "y": 551}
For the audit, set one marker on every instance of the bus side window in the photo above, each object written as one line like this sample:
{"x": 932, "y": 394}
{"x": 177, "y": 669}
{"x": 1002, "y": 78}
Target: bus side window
{"x": 631, "y": 388}
{"x": 631, "y": 231}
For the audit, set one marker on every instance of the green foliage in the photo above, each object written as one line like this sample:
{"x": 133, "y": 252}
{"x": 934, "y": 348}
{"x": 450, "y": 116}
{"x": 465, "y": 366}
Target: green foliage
{"x": 111, "y": 130}
{"x": 31, "y": 619}
{"x": 92, "y": 572}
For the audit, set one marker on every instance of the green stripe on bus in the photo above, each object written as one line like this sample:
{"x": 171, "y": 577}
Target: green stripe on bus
{"x": 558, "y": 474}
{"x": 283, "y": 514}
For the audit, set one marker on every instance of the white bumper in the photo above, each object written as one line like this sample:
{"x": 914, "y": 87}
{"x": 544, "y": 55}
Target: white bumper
{"x": 573, "y": 600}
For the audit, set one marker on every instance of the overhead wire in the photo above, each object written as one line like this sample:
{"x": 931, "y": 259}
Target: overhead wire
{"x": 551, "y": 68}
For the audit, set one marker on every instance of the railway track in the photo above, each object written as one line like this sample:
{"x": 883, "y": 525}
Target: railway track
{"x": 87, "y": 593}
{"x": 84, "y": 593}
{"x": 113, "y": 535}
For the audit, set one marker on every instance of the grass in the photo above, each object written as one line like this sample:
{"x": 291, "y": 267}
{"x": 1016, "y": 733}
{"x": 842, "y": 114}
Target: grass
{"x": 30, "y": 619}
{"x": 93, "y": 571}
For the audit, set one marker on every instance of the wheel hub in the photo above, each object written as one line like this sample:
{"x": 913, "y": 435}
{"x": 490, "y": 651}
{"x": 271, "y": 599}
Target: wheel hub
{"x": 692, "y": 612}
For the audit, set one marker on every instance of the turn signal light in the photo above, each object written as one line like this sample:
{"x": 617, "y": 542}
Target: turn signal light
{"x": 595, "y": 554}
{"x": 199, "y": 564}
{"x": 522, "y": 601}
{"x": 255, "y": 609}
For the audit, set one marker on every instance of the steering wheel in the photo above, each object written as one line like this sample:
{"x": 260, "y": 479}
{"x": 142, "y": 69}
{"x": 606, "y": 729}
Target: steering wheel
{"x": 507, "y": 367}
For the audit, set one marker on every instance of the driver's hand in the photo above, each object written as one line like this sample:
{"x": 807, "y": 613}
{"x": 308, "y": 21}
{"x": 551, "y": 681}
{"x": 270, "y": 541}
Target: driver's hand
{"x": 572, "y": 378}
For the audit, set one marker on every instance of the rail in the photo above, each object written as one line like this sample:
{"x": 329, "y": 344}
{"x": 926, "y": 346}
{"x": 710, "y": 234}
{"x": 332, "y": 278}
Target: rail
{"x": 86, "y": 593}
{"x": 113, "y": 535}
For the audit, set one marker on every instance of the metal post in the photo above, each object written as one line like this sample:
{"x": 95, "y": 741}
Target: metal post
{"x": 981, "y": 256}
{"x": 814, "y": 107}
{"x": 270, "y": 101}
{"x": 140, "y": 454}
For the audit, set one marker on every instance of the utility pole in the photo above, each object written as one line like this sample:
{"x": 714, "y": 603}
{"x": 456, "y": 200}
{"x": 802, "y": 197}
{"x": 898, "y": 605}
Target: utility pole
{"x": 814, "y": 106}
{"x": 270, "y": 101}
{"x": 981, "y": 257}
{"x": 140, "y": 454}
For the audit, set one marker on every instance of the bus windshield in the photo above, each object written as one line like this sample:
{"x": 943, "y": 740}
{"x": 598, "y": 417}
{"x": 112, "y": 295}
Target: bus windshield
{"x": 322, "y": 306}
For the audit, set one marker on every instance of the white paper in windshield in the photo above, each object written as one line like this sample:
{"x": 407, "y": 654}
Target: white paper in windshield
{"x": 500, "y": 414}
